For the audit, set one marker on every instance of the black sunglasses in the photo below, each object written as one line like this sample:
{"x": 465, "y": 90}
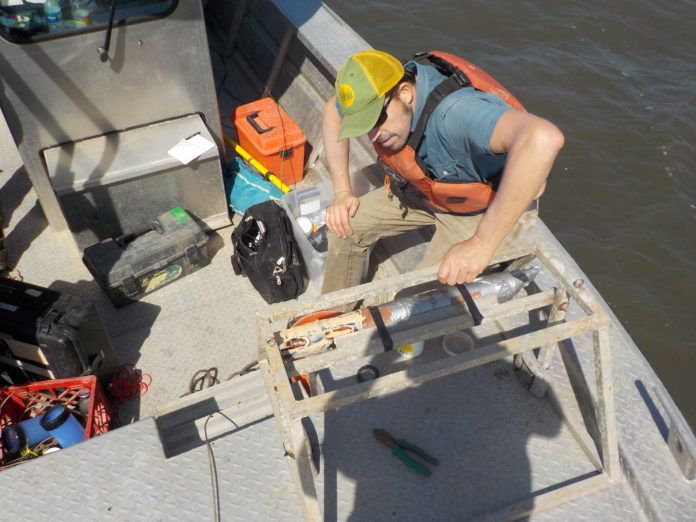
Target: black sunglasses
{"x": 383, "y": 115}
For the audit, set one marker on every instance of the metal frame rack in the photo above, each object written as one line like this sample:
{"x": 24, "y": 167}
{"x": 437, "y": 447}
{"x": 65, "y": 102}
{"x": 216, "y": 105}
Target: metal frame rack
{"x": 290, "y": 407}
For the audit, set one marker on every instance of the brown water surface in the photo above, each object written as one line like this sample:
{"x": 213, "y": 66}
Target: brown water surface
{"x": 620, "y": 80}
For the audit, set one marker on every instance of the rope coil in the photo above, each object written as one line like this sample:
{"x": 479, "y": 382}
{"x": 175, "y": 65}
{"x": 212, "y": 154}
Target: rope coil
{"x": 130, "y": 383}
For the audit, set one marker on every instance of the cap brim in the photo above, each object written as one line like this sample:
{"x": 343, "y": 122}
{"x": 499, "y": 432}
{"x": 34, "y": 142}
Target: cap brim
{"x": 362, "y": 122}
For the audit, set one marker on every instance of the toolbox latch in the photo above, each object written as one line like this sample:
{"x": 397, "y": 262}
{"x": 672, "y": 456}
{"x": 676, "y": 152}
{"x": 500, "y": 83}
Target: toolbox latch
{"x": 129, "y": 286}
{"x": 193, "y": 255}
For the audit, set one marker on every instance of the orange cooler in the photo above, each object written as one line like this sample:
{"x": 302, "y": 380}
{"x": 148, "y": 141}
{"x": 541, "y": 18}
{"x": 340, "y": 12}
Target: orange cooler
{"x": 272, "y": 138}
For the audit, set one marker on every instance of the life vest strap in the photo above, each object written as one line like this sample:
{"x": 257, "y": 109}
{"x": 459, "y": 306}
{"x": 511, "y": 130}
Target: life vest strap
{"x": 443, "y": 89}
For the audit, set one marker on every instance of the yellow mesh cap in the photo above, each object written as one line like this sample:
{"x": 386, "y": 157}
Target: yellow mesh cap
{"x": 381, "y": 69}
{"x": 361, "y": 84}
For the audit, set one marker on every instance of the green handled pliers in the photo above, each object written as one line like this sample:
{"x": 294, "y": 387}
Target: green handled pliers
{"x": 400, "y": 447}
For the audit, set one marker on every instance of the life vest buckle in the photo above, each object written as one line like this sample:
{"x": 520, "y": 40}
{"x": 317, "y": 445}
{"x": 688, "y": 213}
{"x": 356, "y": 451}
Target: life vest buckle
{"x": 461, "y": 78}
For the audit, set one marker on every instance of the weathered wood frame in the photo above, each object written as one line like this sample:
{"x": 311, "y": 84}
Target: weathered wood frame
{"x": 289, "y": 410}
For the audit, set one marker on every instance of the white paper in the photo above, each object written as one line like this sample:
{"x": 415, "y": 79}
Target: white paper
{"x": 190, "y": 148}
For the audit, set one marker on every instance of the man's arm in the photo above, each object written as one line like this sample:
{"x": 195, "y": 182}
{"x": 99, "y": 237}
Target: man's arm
{"x": 345, "y": 204}
{"x": 532, "y": 144}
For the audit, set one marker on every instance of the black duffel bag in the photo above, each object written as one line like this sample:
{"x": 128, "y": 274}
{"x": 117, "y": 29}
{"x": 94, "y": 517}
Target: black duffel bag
{"x": 266, "y": 252}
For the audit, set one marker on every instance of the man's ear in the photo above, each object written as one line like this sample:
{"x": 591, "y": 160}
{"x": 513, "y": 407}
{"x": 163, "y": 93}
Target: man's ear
{"x": 407, "y": 93}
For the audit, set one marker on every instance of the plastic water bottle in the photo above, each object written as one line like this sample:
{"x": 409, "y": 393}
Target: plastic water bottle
{"x": 83, "y": 401}
{"x": 53, "y": 14}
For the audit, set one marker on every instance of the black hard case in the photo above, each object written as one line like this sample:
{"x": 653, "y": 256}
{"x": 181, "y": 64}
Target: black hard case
{"x": 52, "y": 335}
{"x": 128, "y": 268}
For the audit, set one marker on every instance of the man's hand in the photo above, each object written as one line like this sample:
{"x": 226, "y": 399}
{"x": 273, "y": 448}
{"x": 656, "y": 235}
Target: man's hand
{"x": 339, "y": 213}
{"x": 464, "y": 261}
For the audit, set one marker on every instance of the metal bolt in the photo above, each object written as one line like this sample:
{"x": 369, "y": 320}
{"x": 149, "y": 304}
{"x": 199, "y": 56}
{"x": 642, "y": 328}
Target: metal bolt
{"x": 579, "y": 283}
{"x": 140, "y": 43}
{"x": 563, "y": 306}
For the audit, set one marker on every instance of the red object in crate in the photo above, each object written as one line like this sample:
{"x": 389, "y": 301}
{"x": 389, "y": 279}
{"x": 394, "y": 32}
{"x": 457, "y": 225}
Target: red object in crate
{"x": 272, "y": 138}
{"x": 16, "y": 402}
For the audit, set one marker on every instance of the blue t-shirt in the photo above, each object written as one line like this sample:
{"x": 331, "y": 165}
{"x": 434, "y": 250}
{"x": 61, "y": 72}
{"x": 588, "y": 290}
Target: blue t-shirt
{"x": 456, "y": 143}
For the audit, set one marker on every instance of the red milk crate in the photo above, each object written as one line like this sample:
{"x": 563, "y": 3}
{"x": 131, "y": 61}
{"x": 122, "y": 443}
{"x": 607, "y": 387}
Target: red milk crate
{"x": 272, "y": 138}
{"x": 18, "y": 403}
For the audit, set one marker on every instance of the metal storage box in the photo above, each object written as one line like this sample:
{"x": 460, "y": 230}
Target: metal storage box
{"x": 117, "y": 183}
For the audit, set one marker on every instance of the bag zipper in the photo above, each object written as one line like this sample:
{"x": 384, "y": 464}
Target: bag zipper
{"x": 280, "y": 268}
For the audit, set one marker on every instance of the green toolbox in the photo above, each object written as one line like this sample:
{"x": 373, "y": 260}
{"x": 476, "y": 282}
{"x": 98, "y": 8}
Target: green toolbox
{"x": 134, "y": 265}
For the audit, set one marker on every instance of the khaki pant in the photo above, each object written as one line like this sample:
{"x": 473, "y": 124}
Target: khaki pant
{"x": 379, "y": 216}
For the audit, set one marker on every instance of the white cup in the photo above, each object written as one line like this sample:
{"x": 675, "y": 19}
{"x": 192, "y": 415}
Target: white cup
{"x": 411, "y": 350}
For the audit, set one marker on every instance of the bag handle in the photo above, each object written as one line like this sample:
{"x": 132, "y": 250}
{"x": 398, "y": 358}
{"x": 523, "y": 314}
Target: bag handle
{"x": 236, "y": 265}
{"x": 122, "y": 241}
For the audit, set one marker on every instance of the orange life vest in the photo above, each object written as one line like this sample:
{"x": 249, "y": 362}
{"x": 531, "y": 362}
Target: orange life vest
{"x": 405, "y": 166}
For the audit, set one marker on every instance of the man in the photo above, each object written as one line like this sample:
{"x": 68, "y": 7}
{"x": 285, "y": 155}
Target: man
{"x": 470, "y": 136}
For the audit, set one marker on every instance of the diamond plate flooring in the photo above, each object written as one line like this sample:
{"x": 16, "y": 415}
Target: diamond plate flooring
{"x": 113, "y": 478}
{"x": 495, "y": 443}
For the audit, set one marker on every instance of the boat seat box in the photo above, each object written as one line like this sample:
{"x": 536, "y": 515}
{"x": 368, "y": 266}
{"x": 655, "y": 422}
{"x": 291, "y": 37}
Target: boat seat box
{"x": 45, "y": 334}
{"x": 272, "y": 138}
{"x": 129, "y": 267}
{"x": 117, "y": 183}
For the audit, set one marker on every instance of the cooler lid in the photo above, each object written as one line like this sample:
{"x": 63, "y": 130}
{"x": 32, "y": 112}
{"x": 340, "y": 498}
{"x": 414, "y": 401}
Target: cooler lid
{"x": 118, "y": 156}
